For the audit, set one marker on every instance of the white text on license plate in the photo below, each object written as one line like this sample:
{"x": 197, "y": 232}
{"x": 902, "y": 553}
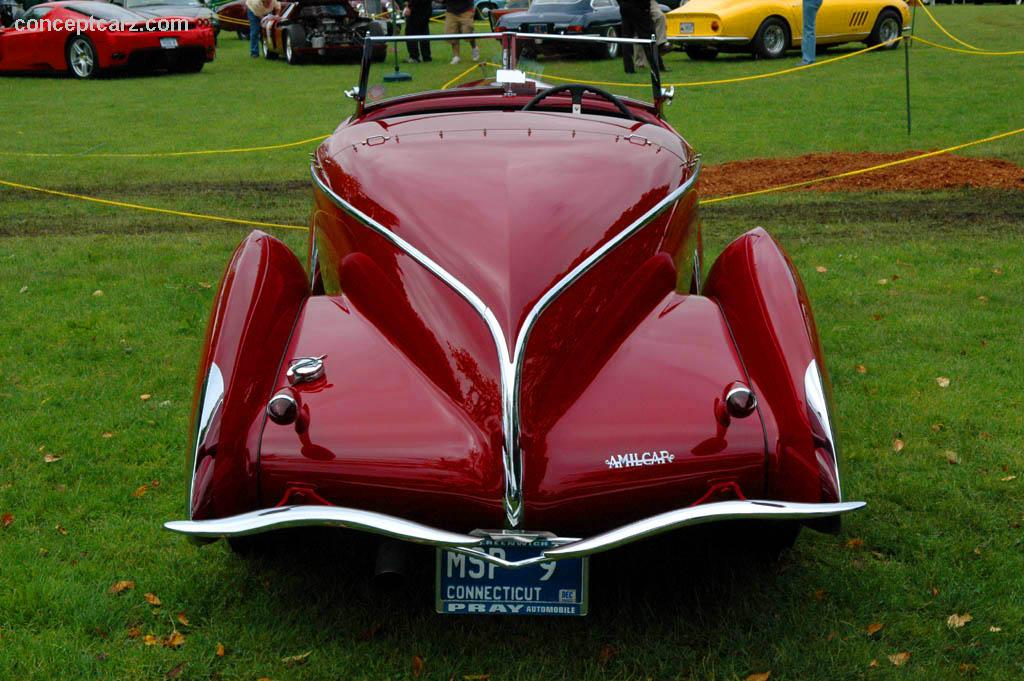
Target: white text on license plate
{"x": 168, "y": 43}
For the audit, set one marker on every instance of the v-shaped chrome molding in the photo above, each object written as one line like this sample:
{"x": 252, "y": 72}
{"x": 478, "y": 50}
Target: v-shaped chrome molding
{"x": 511, "y": 359}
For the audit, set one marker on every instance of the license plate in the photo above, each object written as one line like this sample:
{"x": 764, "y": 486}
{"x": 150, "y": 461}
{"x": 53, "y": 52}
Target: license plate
{"x": 685, "y": 27}
{"x": 168, "y": 43}
{"x": 539, "y": 28}
{"x": 468, "y": 585}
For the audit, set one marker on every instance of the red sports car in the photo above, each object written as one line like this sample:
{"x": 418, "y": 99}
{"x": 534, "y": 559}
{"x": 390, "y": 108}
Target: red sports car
{"x": 519, "y": 368}
{"x": 304, "y": 29}
{"x": 87, "y": 38}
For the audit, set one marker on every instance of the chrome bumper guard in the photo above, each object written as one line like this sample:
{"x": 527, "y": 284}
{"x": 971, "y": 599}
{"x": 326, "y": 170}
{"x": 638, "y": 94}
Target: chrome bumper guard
{"x": 283, "y": 517}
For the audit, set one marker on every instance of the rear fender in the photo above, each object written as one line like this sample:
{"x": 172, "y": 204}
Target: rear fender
{"x": 254, "y": 312}
{"x": 767, "y": 310}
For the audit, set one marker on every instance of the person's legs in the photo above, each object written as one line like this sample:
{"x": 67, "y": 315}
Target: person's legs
{"x": 254, "y": 33}
{"x": 421, "y": 21}
{"x": 810, "y": 19}
{"x": 628, "y": 31}
{"x": 451, "y": 27}
{"x": 413, "y": 45}
{"x": 643, "y": 26}
{"x": 466, "y": 26}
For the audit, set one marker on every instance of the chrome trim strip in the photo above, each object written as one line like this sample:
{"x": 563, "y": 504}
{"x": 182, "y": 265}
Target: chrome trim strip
{"x": 210, "y": 401}
{"x": 814, "y": 390}
{"x": 709, "y": 39}
{"x": 282, "y": 517}
{"x": 519, "y": 34}
{"x": 511, "y": 361}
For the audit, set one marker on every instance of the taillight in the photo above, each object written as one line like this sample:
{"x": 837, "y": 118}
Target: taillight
{"x": 499, "y": 29}
{"x": 574, "y": 29}
{"x": 714, "y": 26}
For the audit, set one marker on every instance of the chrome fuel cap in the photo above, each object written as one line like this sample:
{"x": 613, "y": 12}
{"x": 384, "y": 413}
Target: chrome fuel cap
{"x": 305, "y": 369}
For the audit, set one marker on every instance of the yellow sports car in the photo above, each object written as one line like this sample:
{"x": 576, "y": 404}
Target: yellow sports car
{"x": 767, "y": 28}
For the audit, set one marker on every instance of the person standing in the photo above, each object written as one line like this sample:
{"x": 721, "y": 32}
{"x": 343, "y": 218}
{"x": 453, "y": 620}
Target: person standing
{"x": 636, "y": 23}
{"x": 458, "y": 18}
{"x": 660, "y": 32}
{"x": 809, "y": 43}
{"x": 257, "y": 9}
{"x": 417, "y": 22}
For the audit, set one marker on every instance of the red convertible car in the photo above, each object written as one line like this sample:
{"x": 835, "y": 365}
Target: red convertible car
{"x": 86, "y": 38}
{"x": 497, "y": 364}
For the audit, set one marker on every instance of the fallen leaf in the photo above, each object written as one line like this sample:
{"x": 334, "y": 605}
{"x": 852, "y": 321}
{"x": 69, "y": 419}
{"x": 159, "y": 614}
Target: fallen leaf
{"x": 977, "y": 550}
{"x": 150, "y": 640}
{"x": 899, "y": 659}
{"x": 173, "y": 674}
{"x": 877, "y": 317}
{"x": 371, "y": 633}
{"x": 139, "y": 491}
{"x": 874, "y": 628}
{"x": 97, "y": 293}
{"x": 831, "y": 635}
{"x": 60, "y": 529}
{"x": 205, "y": 284}
{"x": 102, "y": 656}
{"x": 968, "y": 668}
{"x": 475, "y": 677}
{"x": 996, "y": 270}
{"x": 936, "y": 427}
{"x": 983, "y": 299}
{"x": 1008, "y": 478}
{"x": 951, "y": 457}
{"x": 296, "y": 659}
{"x": 854, "y": 543}
{"x": 107, "y": 435}
{"x": 51, "y": 458}
{"x": 883, "y": 282}
{"x": 175, "y": 640}
{"x": 23, "y": 289}
{"x": 151, "y": 598}
{"x": 819, "y": 594}
{"x": 956, "y": 621}
{"x": 942, "y": 381}
{"x": 759, "y": 676}
{"x": 985, "y": 435}
{"x": 995, "y": 630}
{"x": 873, "y": 664}
{"x": 183, "y": 620}
{"x": 934, "y": 591}
{"x": 861, "y": 369}
{"x": 606, "y": 655}
{"x": 123, "y": 585}
{"x": 145, "y": 397}
{"x": 417, "y": 666}
{"x": 134, "y": 632}
{"x": 220, "y": 649}
{"x": 6, "y": 519}
{"x": 821, "y": 269}
{"x": 898, "y": 445}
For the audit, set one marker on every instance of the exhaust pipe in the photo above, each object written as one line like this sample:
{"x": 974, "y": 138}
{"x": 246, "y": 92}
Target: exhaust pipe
{"x": 392, "y": 563}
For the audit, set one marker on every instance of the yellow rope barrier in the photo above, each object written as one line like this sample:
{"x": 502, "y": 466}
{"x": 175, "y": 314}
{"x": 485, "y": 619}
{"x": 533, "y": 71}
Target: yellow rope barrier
{"x": 862, "y": 171}
{"x": 465, "y": 73}
{"x": 973, "y": 53}
{"x": 164, "y": 154}
{"x": 150, "y": 209}
{"x": 943, "y": 29}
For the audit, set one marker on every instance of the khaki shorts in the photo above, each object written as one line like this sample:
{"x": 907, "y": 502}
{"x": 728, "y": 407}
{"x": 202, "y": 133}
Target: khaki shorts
{"x": 459, "y": 23}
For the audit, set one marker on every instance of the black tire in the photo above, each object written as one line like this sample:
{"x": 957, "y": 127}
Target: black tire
{"x": 888, "y": 26}
{"x": 701, "y": 52}
{"x": 83, "y": 62}
{"x": 609, "y": 50}
{"x": 290, "y": 37}
{"x": 772, "y": 38}
{"x": 265, "y": 48}
{"x": 484, "y": 9}
{"x": 768, "y": 539}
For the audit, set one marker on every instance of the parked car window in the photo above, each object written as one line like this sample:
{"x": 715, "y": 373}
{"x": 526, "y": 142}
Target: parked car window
{"x": 600, "y": 4}
{"x": 555, "y": 2}
{"x": 36, "y": 13}
{"x": 103, "y": 11}
{"x": 146, "y": 3}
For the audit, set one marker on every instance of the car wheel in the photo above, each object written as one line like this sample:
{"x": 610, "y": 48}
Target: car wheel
{"x": 701, "y": 52}
{"x": 772, "y": 38}
{"x": 483, "y": 10}
{"x": 610, "y": 50}
{"x": 265, "y": 49}
{"x": 82, "y": 60}
{"x": 288, "y": 46}
{"x": 887, "y": 27}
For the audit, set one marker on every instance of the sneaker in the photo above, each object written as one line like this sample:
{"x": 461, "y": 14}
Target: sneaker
{"x": 476, "y": 54}
{"x": 412, "y": 60}
{"x": 455, "y": 59}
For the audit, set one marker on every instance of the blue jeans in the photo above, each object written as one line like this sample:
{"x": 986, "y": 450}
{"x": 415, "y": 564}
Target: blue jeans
{"x": 254, "y": 33}
{"x": 811, "y": 8}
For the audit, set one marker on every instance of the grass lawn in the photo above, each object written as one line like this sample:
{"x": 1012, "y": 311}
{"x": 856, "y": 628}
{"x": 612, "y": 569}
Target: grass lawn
{"x": 936, "y": 539}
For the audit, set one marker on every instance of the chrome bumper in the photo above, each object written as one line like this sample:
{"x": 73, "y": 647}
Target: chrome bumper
{"x": 710, "y": 39}
{"x": 282, "y": 517}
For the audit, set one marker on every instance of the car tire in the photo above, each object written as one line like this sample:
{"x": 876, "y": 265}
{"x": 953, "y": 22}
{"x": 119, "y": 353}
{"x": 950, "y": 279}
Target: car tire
{"x": 701, "y": 52}
{"x": 484, "y": 9}
{"x": 83, "y": 62}
{"x": 610, "y": 50}
{"x": 265, "y": 48}
{"x": 887, "y": 27}
{"x": 288, "y": 39}
{"x": 772, "y": 38}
